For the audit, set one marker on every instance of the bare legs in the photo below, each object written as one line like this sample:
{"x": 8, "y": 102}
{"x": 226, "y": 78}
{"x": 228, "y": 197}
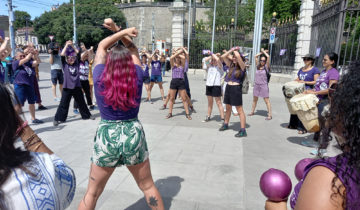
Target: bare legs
{"x": 268, "y": 106}
{"x": 161, "y": 89}
{"x": 148, "y": 91}
{"x": 53, "y": 88}
{"x": 184, "y": 98}
{"x": 142, "y": 175}
{"x": 32, "y": 111}
{"x": 241, "y": 112}
{"x": 218, "y": 103}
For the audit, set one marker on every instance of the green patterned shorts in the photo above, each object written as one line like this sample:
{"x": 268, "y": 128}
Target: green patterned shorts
{"x": 119, "y": 142}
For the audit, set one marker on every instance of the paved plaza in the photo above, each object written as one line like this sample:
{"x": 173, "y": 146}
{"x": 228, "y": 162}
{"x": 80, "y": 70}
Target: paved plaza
{"x": 194, "y": 165}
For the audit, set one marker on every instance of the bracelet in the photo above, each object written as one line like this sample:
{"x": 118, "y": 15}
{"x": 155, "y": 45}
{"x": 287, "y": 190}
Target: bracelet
{"x": 28, "y": 141}
{"x": 33, "y": 143}
{"x": 37, "y": 147}
{"x": 19, "y": 130}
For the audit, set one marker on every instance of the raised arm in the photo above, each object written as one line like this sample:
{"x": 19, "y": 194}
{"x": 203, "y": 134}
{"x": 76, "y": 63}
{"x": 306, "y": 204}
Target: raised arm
{"x": 105, "y": 44}
{"x": 225, "y": 56}
{"x": 125, "y": 39}
{"x": 4, "y": 45}
{"x": 63, "y": 52}
{"x": 240, "y": 61}
{"x": 186, "y": 53}
{"x": 267, "y": 56}
{"x": 172, "y": 58}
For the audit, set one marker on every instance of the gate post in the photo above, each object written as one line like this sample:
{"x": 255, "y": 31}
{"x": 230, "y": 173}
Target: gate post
{"x": 178, "y": 10}
{"x": 304, "y": 33}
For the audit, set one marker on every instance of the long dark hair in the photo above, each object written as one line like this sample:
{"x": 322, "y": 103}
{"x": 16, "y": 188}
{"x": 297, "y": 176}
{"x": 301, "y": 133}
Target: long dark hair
{"x": 235, "y": 66}
{"x": 262, "y": 56}
{"x": 345, "y": 112}
{"x": 10, "y": 157}
{"x": 333, "y": 57}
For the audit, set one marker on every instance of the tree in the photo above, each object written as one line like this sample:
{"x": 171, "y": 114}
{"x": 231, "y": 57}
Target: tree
{"x": 225, "y": 10}
{"x": 90, "y": 15}
{"x": 20, "y": 19}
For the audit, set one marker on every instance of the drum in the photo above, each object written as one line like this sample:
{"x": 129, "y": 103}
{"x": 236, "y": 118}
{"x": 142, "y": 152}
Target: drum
{"x": 291, "y": 89}
{"x": 305, "y": 106}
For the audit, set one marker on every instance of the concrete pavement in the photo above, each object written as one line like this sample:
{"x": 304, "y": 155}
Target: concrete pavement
{"x": 193, "y": 164}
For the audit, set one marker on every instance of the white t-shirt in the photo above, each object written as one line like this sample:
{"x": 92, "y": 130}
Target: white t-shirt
{"x": 214, "y": 74}
{"x": 48, "y": 184}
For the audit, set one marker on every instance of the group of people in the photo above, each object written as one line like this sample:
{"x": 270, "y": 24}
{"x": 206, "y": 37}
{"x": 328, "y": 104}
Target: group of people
{"x": 119, "y": 72}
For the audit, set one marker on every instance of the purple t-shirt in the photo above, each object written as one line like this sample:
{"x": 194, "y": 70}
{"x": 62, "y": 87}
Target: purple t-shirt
{"x": 308, "y": 76}
{"x": 178, "y": 72}
{"x": 146, "y": 70}
{"x": 71, "y": 74}
{"x": 352, "y": 190}
{"x": 155, "y": 68}
{"x": 225, "y": 67}
{"x": 106, "y": 111}
{"x": 233, "y": 77}
{"x": 322, "y": 83}
{"x": 25, "y": 75}
{"x": 84, "y": 70}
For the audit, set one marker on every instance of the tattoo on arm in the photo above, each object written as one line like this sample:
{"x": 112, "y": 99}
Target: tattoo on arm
{"x": 152, "y": 201}
{"x": 131, "y": 46}
{"x": 92, "y": 178}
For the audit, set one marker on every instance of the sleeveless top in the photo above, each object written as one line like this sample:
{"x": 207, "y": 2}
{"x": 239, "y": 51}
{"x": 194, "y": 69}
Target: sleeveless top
{"x": 352, "y": 189}
{"x": 260, "y": 76}
{"x": 178, "y": 72}
{"x": 233, "y": 77}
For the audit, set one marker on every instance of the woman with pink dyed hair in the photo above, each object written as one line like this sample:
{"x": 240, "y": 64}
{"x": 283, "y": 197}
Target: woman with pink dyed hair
{"x": 120, "y": 138}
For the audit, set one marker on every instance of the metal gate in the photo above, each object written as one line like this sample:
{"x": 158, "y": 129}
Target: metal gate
{"x": 336, "y": 28}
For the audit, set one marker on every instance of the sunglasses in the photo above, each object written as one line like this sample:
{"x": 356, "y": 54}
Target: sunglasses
{"x": 263, "y": 61}
{"x": 307, "y": 59}
{"x": 22, "y": 56}
{"x": 71, "y": 57}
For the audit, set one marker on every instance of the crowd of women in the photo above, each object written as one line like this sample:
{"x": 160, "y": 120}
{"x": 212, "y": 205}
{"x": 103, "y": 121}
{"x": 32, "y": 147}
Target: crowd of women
{"x": 32, "y": 177}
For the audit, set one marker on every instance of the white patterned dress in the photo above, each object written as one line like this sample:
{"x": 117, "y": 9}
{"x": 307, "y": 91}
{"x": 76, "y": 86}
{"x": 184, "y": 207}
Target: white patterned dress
{"x": 47, "y": 183}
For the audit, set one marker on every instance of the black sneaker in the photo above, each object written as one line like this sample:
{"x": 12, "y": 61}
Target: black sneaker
{"x": 42, "y": 108}
{"x": 241, "y": 134}
{"x": 224, "y": 127}
{"x": 91, "y": 107}
{"x": 36, "y": 121}
{"x": 207, "y": 119}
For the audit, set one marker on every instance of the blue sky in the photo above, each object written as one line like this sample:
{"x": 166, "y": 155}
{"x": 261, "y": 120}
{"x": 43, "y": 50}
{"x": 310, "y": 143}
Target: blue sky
{"x": 34, "y": 7}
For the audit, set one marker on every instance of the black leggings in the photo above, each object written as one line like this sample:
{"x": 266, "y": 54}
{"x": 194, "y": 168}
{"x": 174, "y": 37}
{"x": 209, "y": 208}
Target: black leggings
{"x": 295, "y": 122}
{"x": 85, "y": 85}
{"x": 63, "y": 108}
{"x": 187, "y": 86}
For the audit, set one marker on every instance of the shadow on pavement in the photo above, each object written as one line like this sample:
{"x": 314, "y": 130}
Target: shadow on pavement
{"x": 300, "y": 139}
{"x": 50, "y": 128}
{"x": 261, "y": 113}
{"x": 168, "y": 188}
{"x": 236, "y": 126}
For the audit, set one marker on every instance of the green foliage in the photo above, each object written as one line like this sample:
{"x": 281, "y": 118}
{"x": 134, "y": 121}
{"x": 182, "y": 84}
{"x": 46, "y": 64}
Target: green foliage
{"x": 20, "y": 19}
{"x": 90, "y": 15}
{"x": 225, "y": 11}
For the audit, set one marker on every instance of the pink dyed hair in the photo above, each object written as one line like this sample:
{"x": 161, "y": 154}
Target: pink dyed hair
{"x": 120, "y": 80}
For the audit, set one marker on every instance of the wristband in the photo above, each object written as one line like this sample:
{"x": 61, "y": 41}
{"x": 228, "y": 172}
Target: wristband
{"x": 18, "y": 131}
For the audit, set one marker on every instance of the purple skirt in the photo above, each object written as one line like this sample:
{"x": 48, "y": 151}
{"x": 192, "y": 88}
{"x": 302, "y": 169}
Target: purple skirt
{"x": 261, "y": 90}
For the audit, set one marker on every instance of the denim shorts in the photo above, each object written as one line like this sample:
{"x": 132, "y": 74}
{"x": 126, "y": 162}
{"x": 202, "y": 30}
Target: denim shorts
{"x": 57, "y": 75}
{"x": 25, "y": 92}
{"x": 156, "y": 78}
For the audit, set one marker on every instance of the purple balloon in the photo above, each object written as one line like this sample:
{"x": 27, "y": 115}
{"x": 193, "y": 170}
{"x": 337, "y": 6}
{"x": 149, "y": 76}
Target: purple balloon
{"x": 300, "y": 167}
{"x": 275, "y": 185}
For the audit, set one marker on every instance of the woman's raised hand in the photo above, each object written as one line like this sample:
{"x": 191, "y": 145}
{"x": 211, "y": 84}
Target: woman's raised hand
{"x": 132, "y": 32}
{"x": 111, "y": 25}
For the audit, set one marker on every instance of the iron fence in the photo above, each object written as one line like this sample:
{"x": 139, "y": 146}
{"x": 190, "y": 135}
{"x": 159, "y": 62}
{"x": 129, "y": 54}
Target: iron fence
{"x": 284, "y": 49}
{"x": 223, "y": 40}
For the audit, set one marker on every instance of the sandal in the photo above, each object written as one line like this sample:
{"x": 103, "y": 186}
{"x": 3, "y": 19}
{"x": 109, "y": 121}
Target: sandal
{"x": 268, "y": 118}
{"x": 251, "y": 114}
{"x": 169, "y": 116}
{"x": 302, "y": 132}
{"x": 188, "y": 117}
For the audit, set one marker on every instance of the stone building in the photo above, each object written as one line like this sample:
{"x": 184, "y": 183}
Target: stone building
{"x": 157, "y": 17}
{"x": 25, "y": 35}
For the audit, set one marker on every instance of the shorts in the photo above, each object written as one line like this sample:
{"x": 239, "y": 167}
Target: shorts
{"x": 233, "y": 95}
{"x": 156, "y": 78}
{"x": 177, "y": 84}
{"x": 214, "y": 91}
{"x": 146, "y": 80}
{"x": 57, "y": 75}
{"x": 25, "y": 92}
{"x": 119, "y": 142}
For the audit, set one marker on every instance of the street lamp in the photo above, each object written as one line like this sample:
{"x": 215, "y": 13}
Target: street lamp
{"x": 232, "y": 31}
{"x": 272, "y": 27}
